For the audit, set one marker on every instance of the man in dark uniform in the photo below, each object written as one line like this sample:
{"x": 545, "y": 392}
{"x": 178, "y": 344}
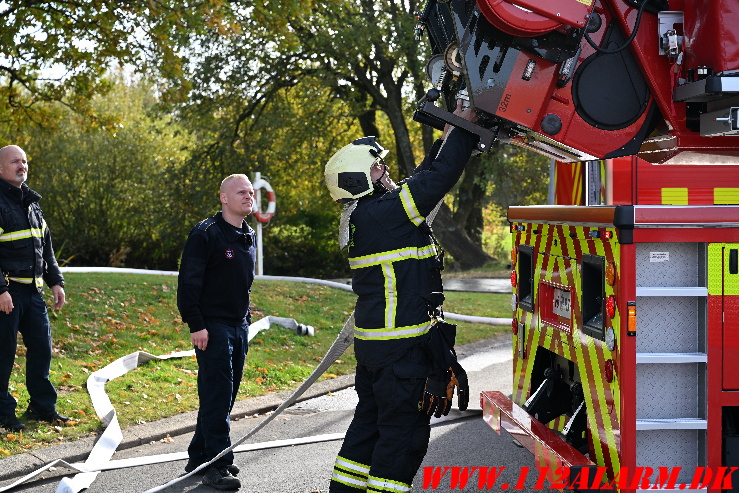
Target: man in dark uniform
{"x": 27, "y": 261}
{"x": 397, "y": 279}
{"x": 215, "y": 278}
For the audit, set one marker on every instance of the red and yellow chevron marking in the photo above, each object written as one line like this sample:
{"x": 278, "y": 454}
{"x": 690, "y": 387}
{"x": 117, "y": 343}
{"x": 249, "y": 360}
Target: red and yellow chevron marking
{"x": 557, "y": 251}
{"x": 568, "y": 184}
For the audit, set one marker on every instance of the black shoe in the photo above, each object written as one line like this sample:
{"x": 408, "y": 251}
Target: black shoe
{"x": 192, "y": 465}
{"x": 219, "y": 478}
{"x": 51, "y": 417}
{"x": 11, "y": 423}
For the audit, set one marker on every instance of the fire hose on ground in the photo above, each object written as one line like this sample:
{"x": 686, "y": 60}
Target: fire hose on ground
{"x": 100, "y": 456}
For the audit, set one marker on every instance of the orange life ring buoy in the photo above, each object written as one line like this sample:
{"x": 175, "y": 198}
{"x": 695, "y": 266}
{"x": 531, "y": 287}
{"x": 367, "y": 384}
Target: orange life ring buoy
{"x": 266, "y": 216}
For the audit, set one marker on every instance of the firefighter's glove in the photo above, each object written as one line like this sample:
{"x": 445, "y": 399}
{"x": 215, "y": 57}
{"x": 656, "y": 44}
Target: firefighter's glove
{"x": 437, "y": 396}
{"x": 459, "y": 380}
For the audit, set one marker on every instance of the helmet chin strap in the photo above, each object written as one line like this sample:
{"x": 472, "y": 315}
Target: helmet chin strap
{"x": 379, "y": 186}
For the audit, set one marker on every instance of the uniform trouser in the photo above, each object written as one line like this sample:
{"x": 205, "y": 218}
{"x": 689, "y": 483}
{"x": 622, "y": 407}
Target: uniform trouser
{"x": 220, "y": 368}
{"x": 388, "y": 437}
{"x": 30, "y": 318}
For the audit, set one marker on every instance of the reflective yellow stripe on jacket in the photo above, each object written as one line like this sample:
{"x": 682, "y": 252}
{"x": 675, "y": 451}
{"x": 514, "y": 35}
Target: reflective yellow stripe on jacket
{"x": 392, "y": 256}
{"x": 39, "y": 281}
{"x": 385, "y": 261}
{"x": 23, "y": 233}
{"x": 19, "y": 235}
{"x": 394, "y": 333}
{"x": 410, "y": 206}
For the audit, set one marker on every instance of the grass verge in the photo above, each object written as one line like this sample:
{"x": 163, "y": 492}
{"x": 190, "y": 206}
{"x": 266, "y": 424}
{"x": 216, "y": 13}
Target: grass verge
{"x": 108, "y": 316}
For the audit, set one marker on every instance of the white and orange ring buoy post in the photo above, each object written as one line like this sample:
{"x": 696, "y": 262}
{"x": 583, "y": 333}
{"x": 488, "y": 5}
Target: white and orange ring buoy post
{"x": 266, "y": 216}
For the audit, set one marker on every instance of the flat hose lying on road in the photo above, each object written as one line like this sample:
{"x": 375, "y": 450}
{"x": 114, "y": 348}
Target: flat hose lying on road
{"x": 100, "y": 456}
{"x": 342, "y": 342}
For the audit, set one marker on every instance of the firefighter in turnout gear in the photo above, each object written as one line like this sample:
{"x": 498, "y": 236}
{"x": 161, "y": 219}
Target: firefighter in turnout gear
{"x": 27, "y": 261}
{"x": 401, "y": 379}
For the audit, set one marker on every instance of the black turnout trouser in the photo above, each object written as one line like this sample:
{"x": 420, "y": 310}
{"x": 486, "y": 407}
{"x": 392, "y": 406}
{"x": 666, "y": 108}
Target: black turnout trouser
{"x": 29, "y": 318}
{"x": 388, "y": 437}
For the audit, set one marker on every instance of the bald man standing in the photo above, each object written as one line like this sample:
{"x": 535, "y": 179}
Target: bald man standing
{"x": 216, "y": 274}
{"x": 27, "y": 261}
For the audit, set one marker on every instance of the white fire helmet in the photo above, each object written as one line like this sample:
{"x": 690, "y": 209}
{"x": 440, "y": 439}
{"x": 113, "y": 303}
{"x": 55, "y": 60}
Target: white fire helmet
{"x": 347, "y": 173}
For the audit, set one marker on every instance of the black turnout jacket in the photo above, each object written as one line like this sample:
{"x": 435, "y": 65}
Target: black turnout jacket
{"x": 395, "y": 260}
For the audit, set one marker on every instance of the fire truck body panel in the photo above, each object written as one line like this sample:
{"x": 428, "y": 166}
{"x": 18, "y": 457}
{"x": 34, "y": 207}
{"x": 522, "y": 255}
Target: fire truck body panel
{"x": 626, "y": 306}
{"x": 581, "y": 80}
{"x": 646, "y": 395}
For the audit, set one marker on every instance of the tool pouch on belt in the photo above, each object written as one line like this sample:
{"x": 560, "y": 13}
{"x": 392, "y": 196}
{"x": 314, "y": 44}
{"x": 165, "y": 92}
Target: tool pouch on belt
{"x": 446, "y": 373}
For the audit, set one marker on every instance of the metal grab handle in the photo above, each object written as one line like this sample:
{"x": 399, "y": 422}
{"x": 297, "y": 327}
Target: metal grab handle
{"x": 487, "y": 136}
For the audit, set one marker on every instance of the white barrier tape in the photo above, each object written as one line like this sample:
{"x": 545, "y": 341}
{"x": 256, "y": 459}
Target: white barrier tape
{"x": 112, "y": 436}
{"x": 108, "y": 442}
{"x": 342, "y": 342}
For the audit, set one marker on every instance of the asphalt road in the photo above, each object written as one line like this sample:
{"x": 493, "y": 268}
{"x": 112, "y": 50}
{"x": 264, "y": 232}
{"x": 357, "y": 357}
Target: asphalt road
{"x": 465, "y": 441}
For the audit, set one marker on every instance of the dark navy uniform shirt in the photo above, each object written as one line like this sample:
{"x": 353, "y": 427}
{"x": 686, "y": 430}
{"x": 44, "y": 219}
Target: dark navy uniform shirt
{"x": 216, "y": 274}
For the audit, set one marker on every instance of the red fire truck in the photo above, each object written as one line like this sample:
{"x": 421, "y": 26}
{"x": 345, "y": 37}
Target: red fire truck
{"x": 626, "y": 289}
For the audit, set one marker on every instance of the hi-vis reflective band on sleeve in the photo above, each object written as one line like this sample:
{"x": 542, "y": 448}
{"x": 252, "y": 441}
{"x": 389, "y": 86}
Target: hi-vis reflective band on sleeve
{"x": 392, "y": 256}
{"x": 23, "y": 233}
{"x": 410, "y": 206}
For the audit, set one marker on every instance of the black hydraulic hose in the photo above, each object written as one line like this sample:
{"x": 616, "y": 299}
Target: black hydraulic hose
{"x": 628, "y": 41}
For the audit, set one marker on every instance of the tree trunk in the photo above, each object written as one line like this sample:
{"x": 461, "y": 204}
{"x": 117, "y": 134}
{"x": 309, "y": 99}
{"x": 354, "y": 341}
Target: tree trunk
{"x": 470, "y": 197}
{"x": 467, "y": 255}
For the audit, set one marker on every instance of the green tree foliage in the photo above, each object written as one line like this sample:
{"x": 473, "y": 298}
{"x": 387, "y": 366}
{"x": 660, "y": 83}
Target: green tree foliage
{"x": 354, "y": 65}
{"x": 516, "y": 177}
{"x": 273, "y": 87}
{"x": 288, "y": 143}
{"x": 112, "y": 197}
{"x": 57, "y": 50}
